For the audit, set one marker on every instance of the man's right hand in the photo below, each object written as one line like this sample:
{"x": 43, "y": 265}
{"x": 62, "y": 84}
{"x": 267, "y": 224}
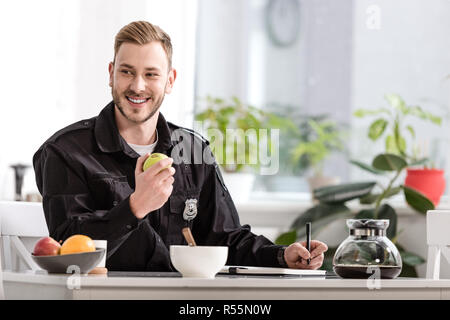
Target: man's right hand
{"x": 153, "y": 186}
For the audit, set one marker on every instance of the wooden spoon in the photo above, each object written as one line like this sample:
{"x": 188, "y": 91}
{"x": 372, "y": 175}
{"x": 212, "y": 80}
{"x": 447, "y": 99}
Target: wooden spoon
{"x": 188, "y": 236}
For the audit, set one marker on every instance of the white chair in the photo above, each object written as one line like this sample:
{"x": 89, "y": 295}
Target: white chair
{"x": 438, "y": 240}
{"x": 2, "y": 292}
{"x": 22, "y": 224}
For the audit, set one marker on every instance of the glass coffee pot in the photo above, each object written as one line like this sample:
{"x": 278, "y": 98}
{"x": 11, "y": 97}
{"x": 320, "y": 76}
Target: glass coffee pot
{"x": 367, "y": 251}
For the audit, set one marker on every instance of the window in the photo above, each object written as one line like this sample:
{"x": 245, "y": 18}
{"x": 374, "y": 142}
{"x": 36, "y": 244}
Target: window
{"x": 344, "y": 55}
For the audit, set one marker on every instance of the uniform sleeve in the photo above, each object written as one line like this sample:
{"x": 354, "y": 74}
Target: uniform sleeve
{"x": 68, "y": 206}
{"x": 219, "y": 225}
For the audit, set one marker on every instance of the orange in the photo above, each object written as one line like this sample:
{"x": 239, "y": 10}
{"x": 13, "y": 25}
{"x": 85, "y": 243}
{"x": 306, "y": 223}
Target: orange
{"x": 76, "y": 244}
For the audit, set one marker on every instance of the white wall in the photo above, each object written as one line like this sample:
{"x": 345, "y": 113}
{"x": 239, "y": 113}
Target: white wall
{"x": 38, "y": 71}
{"x": 222, "y": 46}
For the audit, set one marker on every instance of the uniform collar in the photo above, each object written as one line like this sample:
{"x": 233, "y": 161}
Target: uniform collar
{"x": 109, "y": 139}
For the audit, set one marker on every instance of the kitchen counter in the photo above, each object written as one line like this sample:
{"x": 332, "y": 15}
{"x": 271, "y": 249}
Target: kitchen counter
{"x": 38, "y": 285}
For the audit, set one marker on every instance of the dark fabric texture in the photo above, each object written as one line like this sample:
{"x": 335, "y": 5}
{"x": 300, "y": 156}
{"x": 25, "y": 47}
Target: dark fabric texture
{"x": 85, "y": 173}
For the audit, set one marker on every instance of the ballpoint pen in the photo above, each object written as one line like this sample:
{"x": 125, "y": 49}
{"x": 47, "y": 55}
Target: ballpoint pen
{"x": 308, "y": 239}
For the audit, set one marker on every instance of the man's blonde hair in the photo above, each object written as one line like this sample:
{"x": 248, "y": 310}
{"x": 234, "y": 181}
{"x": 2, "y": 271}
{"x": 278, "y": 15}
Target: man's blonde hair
{"x": 143, "y": 32}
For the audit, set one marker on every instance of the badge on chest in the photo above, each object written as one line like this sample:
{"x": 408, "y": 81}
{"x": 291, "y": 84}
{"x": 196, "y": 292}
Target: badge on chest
{"x": 190, "y": 209}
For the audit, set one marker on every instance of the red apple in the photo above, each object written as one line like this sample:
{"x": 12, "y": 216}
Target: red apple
{"x": 46, "y": 246}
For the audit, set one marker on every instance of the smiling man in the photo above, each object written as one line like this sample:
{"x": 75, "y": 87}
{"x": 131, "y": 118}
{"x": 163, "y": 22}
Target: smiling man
{"x": 91, "y": 179}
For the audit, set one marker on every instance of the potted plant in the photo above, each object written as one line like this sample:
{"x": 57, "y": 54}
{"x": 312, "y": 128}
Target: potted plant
{"x": 325, "y": 138}
{"x": 333, "y": 205}
{"x": 237, "y": 132}
{"x": 300, "y": 130}
{"x": 391, "y": 123}
{"x": 374, "y": 195}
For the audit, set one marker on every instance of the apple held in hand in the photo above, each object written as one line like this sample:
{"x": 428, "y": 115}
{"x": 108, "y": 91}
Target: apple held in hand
{"x": 46, "y": 246}
{"x": 152, "y": 159}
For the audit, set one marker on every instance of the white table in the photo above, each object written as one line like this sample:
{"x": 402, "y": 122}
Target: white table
{"x": 30, "y": 285}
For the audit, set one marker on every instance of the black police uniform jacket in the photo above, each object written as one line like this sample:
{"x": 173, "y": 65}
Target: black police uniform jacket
{"x": 85, "y": 173}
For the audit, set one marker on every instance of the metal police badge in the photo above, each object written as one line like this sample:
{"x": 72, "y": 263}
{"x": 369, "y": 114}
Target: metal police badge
{"x": 190, "y": 209}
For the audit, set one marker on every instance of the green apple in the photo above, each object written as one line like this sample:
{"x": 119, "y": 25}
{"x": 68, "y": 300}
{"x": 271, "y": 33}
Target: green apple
{"x": 154, "y": 158}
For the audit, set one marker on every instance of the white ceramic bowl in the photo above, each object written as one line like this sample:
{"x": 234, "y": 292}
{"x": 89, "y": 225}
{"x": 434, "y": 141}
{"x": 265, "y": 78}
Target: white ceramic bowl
{"x": 198, "y": 261}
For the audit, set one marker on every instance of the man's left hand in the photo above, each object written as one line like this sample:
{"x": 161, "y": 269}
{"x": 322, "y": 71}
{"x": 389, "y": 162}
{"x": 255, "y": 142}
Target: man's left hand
{"x": 296, "y": 255}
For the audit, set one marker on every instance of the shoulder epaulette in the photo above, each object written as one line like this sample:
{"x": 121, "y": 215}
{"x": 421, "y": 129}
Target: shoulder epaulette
{"x": 79, "y": 125}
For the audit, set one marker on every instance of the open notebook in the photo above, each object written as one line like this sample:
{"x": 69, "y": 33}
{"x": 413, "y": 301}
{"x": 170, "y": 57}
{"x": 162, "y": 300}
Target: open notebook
{"x": 270, "y": 271}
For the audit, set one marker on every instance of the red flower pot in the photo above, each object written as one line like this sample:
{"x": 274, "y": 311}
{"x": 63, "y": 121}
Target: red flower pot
{"x": 430, "y": 182}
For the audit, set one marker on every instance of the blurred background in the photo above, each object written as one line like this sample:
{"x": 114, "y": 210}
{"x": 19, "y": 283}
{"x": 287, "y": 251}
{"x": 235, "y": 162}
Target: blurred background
{"x": 298, "y": 59}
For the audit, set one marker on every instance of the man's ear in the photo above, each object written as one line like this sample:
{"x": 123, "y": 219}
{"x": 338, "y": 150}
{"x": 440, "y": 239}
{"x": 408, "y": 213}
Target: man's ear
{"x": 111, "y": 73}
{"x": 170, "y": 80}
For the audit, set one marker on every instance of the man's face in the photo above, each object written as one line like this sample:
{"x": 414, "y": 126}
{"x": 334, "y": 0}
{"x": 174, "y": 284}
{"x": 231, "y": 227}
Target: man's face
{"x": 139, "y": 79}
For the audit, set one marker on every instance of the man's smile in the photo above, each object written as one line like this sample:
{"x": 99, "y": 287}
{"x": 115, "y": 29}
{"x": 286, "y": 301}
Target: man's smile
{"x": 137, "y": 101}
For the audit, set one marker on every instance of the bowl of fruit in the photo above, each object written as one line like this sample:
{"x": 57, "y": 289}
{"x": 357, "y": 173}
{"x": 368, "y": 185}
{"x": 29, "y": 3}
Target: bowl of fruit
{"x": 77, "y": 254}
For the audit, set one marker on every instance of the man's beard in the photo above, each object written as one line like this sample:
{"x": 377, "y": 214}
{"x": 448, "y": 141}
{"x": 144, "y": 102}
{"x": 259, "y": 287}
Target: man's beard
{"x": 130, "y": 117}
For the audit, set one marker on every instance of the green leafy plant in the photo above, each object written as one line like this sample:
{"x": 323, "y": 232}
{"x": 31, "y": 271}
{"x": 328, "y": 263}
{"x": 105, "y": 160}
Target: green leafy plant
{"x": 333, "y": 205}
{"x": 391, "y": 123}
{"x": 373, "y": 195}
{"x": 300, "y": 132}
{"x": 326, "y": 136}
{"x": 224, "y": 119}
